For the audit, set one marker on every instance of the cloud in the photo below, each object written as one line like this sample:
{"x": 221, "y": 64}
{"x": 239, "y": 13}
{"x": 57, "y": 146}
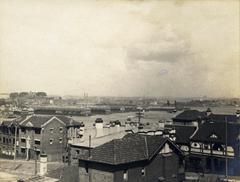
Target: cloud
{"x": 160, "y": 46}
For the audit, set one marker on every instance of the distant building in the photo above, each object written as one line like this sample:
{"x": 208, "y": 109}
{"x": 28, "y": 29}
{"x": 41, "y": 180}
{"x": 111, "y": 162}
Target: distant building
{"x": 39, "y": 134}
{"x": 134, "y": 158}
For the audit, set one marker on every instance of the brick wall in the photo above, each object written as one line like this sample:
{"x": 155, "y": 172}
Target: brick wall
{"x": 54, "y": 140}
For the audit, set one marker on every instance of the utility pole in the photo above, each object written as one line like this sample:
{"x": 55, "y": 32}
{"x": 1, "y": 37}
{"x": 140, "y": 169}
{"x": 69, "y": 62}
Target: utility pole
{"x": 139, "y": 115}
{"x": 226, "y": 160}
{"x": 35, "y": 171}
{"x": 89, "y": 151}
{"x": 15, "y": 144}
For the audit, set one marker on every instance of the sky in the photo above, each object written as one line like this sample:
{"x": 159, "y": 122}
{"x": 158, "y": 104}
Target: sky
{"x": 121, "y": 48}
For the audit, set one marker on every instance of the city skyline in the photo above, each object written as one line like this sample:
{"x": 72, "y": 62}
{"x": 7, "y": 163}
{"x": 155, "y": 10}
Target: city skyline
{"x": 121, "y": 48}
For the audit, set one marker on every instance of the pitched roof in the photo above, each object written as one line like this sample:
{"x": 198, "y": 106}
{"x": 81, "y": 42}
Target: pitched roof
{"x": 8, "y": 123}
{"x": 216, "y": 132}
{"x": 131, "y": 148}
{"x": 69, "y": 121}
{"x": 190, "y": 115}
{"x": 183, "y": 133}
{"x": 39, "y": 120}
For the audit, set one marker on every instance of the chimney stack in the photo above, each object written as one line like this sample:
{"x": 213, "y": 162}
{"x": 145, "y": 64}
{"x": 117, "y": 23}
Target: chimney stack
{"x": 238, "y": 113}
{"x": 209, "y": 111}
{"x": 99, "y": 127}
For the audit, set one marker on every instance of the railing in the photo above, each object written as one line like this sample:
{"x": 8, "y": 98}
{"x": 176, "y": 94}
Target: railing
{"x": 213, "y": 152}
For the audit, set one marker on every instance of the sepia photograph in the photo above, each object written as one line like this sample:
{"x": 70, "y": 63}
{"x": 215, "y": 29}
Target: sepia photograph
{"x": 120, "y": 91}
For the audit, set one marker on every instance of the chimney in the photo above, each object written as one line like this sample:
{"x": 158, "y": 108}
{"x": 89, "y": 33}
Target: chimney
{"x": 161, "y": 124}
{"x": 208, "y": 111}
{"x": 238, "y": 113}
{"x": 43, "y": 164}
{"x": 99, "y": 127}
{"x": 81, "y": 131}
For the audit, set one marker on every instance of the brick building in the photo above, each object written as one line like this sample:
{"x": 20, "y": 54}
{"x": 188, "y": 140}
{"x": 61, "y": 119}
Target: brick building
{"x": 133, "y": 158}
{"x": 7, "y": 138}
{"x": 212, "y": 144}
{"x": 37, "y": 133}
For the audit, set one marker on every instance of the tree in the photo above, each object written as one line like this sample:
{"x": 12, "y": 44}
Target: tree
{"x": 41, "y": 94}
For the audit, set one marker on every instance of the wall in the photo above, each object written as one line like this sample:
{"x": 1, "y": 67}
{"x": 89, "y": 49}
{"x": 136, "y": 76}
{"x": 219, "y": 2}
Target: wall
{"x": 7, "y": 140}
{"x": 55, "y": 150}
{"x": 96, "y": 173}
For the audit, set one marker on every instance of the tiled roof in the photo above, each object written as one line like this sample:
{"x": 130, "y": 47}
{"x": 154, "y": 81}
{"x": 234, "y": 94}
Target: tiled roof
{"x": 183, "y": 133}
{"x": 8, "y": 123}
{"x": 190, "y": 115}
{"x": 131, "y": 148}
{"x": 38, "y": 120}
{"x": 218, "y": 130}
{"x": 69, "y": 121}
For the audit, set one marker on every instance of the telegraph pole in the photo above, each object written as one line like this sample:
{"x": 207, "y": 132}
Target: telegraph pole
{"x": 226, "y": 160}
{"x": 35, "y": 171}
{"x": 139, "y": 115}
{"x": 15, "y": 143}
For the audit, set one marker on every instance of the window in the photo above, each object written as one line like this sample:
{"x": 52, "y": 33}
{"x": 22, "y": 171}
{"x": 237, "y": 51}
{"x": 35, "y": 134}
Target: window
{"x": 23, "y": 150}
{"x": 60, "y": 140}
{"x": 37, "y": 142}
{"x": 3, "y": 139}
{"x": 0, "y": 139}
{"x": 9, "y": 140}
{"x": 23, "y": 140}
{"x": 143, "y": 171}
{"x": 60, "y": 129}
{"x": 51, "y": 141}
{"x": 51, "y": 130}
{"x": 37, "y": 131}
{"x": 23, "y": 130}
{"x": 125, "y": 175}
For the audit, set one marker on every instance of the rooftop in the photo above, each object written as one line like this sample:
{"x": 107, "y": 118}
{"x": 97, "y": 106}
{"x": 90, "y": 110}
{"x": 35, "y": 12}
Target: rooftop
{"x": 131, "y": 148}
{"x": 216, "y": 132}
{"x": 190, "y": 115}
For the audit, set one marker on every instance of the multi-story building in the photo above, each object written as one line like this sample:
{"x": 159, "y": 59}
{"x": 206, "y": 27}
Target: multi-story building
{"x": 40, "y": 134}
{"x": 7, "y": 138}
{"x": 212, "y": 145}
{"x": 215, "y": 148}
